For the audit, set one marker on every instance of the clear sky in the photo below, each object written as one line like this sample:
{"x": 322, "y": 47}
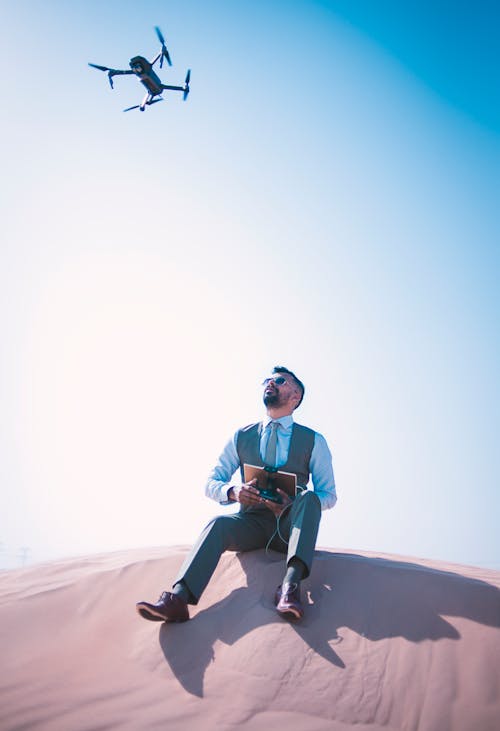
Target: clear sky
{"x": 326, "y": 199}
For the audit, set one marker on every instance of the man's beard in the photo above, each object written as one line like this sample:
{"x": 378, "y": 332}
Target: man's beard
{"x": 271, "y": 399}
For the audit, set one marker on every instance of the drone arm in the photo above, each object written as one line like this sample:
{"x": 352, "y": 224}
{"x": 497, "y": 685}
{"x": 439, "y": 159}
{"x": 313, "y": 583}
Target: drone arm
{"x": 111, "y": 72}
{"x": 163, "y": 54}
{"x": 184, "y": 88}
{"x": 117, "y": 72}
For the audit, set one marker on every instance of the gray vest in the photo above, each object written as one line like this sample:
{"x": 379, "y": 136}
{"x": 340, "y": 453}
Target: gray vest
{"x": 299, "y": 455}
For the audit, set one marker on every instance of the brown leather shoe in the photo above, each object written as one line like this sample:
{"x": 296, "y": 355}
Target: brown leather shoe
{"x": 288, "y": 602}
{"x": 168, "y": 608}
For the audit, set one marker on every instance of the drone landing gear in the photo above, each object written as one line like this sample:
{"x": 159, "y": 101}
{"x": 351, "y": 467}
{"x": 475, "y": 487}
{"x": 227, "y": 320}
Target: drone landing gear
{"x": 147, "y": 101}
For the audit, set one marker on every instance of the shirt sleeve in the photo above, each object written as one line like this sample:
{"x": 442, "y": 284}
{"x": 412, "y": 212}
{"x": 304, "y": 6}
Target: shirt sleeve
{"x": 322, "y": 473}
{"x": 218, "y": 482}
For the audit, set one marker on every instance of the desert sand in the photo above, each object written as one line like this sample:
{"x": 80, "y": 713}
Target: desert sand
{"x": 386, "y": 643}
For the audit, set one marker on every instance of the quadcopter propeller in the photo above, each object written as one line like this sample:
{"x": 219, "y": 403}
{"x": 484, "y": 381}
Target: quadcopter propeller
{"x": 164, "y": 51}
{"x": 186, "y": 85}
{"x": 141, "y": 107}
{"x": 101, "y": 68}
{"x": 104, "y": 68}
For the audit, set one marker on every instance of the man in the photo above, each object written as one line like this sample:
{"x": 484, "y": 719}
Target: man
{"x": 290, "y": 526}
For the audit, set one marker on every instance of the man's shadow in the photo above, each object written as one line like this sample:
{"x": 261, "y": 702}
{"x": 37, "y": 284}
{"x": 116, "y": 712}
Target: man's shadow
{"x": 376, "y": 598}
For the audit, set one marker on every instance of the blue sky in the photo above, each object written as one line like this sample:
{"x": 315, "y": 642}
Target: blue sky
{"x": 327, "y": 198}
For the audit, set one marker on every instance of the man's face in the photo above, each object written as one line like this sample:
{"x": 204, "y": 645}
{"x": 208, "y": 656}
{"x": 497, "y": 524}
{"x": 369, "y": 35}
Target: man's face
{"x": 280, "y": 391}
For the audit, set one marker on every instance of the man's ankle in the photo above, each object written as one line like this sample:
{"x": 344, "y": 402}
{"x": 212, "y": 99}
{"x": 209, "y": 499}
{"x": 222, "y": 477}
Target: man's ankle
{"x": 295, "y": 572}
{"x": 180, "y": 589}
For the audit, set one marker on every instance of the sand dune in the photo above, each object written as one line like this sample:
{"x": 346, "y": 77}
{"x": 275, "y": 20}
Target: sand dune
{"x": 387, "y": 643}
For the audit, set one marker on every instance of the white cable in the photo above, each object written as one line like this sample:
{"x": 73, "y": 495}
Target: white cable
{"x": 277, "y": 529}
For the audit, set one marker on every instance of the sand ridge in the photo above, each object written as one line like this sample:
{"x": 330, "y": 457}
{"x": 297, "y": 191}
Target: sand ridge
{"x": 386, "y": 643}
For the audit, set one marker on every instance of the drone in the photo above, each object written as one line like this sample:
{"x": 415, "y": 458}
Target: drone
{"x": 143, "y": 69}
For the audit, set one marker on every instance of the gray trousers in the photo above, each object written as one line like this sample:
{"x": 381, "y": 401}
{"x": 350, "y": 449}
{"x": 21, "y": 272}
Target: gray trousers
{"x": 249, "y": 530}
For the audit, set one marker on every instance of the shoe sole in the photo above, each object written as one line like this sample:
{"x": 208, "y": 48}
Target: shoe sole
{"x": 154, "y": 616}
{"x": 290, "y": 613}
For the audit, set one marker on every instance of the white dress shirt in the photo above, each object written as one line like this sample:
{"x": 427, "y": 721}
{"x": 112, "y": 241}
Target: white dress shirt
{"x": 320, "y": 465}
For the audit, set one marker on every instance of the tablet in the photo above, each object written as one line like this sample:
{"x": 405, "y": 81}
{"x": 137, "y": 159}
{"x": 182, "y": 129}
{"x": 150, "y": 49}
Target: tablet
{"x": 286, "y": 481}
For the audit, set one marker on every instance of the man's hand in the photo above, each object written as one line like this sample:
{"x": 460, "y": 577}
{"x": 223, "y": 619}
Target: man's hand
{"x": 277, "y": 508}
{"x": 246, "y": 494}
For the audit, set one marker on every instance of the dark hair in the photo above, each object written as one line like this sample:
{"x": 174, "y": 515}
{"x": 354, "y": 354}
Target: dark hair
{"x": 297, "y": 381}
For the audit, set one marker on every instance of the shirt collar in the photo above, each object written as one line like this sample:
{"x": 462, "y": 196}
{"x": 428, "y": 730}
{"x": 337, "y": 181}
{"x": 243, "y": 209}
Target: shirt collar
{"x": 285, "y": 422}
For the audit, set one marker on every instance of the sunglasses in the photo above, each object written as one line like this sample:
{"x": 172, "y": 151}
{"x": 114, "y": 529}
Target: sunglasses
{"x": 279, "y": 381}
